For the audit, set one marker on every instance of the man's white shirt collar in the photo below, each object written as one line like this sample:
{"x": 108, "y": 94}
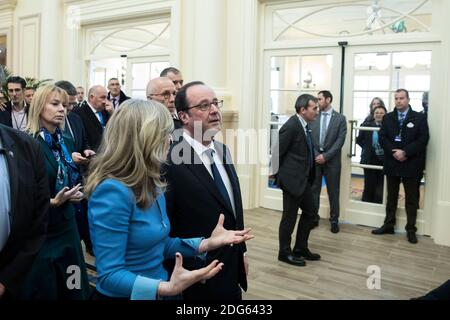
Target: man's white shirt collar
{"x": 197, "y": 146}
{"x": 92, "y": 108}
{"x": 302, "y": 121}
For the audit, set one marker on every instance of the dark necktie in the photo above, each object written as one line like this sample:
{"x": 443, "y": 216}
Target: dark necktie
{"x": 310, "y": 146}
{"x": 401, "y": 119}
{"x": 218, "y": 180}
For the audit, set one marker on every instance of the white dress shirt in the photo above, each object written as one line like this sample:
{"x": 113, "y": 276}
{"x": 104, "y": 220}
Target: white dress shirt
{"x": 201, "y": 151}
{"x": 303, "y": 122}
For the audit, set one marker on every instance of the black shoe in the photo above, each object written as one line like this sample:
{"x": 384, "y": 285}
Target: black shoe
{"x": 306, "y": 254}
{"x": 291, "y": 259}
{"x": 384, "y": 230}
{"x": 334, "y": 228}
{"x": 412, "y": 237}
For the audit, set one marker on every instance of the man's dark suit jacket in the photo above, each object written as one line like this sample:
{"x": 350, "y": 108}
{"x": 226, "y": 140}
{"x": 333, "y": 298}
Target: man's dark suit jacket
{"x": 5, "y": 116}
{"x": 30, "y": 200}
{"x": 415, "y": 136}
{"x": 122, "y": 97}
{"x": 293, "y": 158}
{"x": 80, "y": 137}
{"x": 94, "y": 129}
{"x": 177, "y": 124}
{"x": 193, "y": 205}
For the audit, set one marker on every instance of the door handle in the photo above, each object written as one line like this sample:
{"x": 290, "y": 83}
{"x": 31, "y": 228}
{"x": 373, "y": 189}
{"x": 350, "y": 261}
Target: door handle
{"x": 353, "y": 125}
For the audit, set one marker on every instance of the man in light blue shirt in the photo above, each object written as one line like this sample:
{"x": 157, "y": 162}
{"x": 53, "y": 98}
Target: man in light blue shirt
{"x": 5, "y": 203}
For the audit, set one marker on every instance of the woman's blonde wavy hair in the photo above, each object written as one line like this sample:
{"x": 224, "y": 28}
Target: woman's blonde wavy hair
{"x": 133, "y": 148}
{"x": 40, "y": 99}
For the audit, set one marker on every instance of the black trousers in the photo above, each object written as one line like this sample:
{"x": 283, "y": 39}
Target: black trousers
{"x": 289, "y": 219}
{"x": 411, "y": 201}
{"x": 81, "y": 217}
{"x": 373, "y": 186}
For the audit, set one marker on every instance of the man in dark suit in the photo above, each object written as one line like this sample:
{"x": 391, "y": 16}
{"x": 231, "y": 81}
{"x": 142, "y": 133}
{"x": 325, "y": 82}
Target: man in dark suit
{"x": 115, "y": 94}
{"x": 24, "y": 200}
{"x": 404, "y": 136}
{"x": 14, "y": 113}
{"x": 164, "y": 91}
{"x": 328, "y": 135}
{"x": 74, "y": 129}
{"x": 202, "y": 184}
{"x": 293, "y": 162}
{"x": 95, "y": 114}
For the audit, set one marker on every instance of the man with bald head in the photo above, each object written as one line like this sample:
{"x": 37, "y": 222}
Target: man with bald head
{"x": 95, "y": 113}
{"x": 163, "y": 90}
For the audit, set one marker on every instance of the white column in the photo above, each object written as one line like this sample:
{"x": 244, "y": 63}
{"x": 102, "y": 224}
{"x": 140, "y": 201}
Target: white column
{"x": 242, "y": 72}
{"x": 437, "y": 192}
{"x": 72, "y": 46}
{"x": 52, "y": 20}
{"x": 205, "y": 36}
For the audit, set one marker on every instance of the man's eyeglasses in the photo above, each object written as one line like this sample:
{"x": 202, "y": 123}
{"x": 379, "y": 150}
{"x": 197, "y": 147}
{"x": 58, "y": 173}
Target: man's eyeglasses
{"x": 207, "y": 105}
{"x": 166, "y": 94}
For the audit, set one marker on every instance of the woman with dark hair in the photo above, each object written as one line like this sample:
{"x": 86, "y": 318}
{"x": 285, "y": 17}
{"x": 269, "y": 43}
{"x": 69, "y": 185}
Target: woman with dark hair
{"x": 372, "y": 154}
{"x": 376, "y": 102}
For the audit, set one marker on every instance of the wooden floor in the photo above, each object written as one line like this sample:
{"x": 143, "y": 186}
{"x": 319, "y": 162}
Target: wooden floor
{"x": 407, "y": 270}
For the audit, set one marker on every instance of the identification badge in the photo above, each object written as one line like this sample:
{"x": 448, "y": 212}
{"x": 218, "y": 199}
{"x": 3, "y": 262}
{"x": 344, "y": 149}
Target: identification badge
{"x": 398, "y": 139}
{"x": 410, "y": 125}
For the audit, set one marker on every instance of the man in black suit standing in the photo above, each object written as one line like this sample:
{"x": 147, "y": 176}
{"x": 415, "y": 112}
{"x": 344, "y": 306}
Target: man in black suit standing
{"x": 24, "y": 200}
{"x": 404, "y": 136}
{"x": 115, "y": 94}
{"x": 95, "y": 113}
{"x": 202, "y": 184}
{"x": 295, "y": 175}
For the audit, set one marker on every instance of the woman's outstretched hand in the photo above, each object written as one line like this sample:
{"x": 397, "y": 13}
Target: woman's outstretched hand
{"x": 182, "y": 278}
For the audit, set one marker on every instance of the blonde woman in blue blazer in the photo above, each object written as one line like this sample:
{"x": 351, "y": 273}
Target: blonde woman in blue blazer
{"x": 127, "y": 211}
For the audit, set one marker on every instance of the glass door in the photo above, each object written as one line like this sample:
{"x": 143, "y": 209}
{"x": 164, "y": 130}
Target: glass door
{"x": 140, "y": 71}
{"x": 288, "y": 74}
{"x": 375, "y": 73}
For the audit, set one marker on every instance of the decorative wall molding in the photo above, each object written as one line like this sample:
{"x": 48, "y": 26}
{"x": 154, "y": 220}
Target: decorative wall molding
{"x": 98, "y": 11}
{"x": 29, "y": 41}
{"x": 8, "y": 5}
{"x": 7, "y": 13}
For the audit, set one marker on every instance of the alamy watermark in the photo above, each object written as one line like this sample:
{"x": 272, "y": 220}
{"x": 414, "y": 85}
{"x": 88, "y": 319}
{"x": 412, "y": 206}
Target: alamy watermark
{"x": 245, "y": 147}
{"x": 374, "y": 280}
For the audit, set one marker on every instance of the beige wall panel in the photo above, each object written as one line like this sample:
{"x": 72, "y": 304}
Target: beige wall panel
{"x": 29, "y": 45}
